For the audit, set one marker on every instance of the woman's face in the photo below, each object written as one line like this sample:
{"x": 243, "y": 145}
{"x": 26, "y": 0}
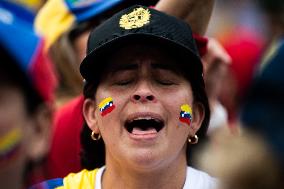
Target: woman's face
{"x": 21, "y": 137}
{"x": 143, "y": 130}
{"x": 14, "y": 121}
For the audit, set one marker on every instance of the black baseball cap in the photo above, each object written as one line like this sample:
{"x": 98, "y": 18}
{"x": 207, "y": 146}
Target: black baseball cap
{"x": 140, "y": 23}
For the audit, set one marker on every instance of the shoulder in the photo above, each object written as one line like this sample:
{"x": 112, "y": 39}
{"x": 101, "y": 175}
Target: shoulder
{"x": 199, "y": 180}
{"x": 83, "y": 179}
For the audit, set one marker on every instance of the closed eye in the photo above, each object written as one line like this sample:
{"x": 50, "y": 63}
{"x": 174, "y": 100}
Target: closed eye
{"x": 122, "y": 78}
{"x": 165, "y": 82}
{"x": 165, "y": 77}
{"x": 123, "y": 82}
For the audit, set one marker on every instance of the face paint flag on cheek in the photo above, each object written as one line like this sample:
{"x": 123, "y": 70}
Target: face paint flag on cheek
{"x": 9, "y": 144}
{"x": 106, "y": 106}
{"x": 185, "y": 114}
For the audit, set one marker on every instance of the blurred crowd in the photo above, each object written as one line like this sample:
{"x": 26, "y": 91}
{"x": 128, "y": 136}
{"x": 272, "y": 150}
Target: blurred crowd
{"x": 241, "y": 45}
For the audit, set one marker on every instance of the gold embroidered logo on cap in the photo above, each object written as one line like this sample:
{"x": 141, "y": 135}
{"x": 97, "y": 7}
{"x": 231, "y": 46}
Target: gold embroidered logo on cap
{"x": 136, "y": 19}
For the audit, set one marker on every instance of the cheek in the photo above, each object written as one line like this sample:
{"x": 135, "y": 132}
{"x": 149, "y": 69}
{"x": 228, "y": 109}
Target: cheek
{"x": 10, "y": 144}
{"x": 106, "y": 106}
{"x": 185, "y": 114}
{"x": 110, "y": 101}
{"x": 174, "y": 102}
{"x": 109, "y": 112}
{"x": 13, "y": 121}
{"x": 12, "y": 140}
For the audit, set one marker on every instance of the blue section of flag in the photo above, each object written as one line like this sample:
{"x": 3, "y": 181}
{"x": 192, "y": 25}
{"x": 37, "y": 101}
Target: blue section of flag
{"x": 109, "y": 104}
{"x": 82, "y": 9}
{"x": 49, "y": 184}
{"x": 16, "y": 33}
{"x": 55, "y": 183}
{"x": 19, "y": 11}
{"x": 184, "y": 114}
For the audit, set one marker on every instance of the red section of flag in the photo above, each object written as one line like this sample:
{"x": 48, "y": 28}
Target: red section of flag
{"x": 185, "y": 120}
{"x": 108, "y": 110}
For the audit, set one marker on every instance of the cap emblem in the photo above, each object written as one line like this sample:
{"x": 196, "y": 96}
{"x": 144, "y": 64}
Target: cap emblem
{"x": 136, "y": 19}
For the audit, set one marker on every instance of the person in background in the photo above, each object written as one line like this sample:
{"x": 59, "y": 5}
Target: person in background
{"x": 136, "y": 62}
{"x": 196, "y": 13}
{"x": 64, "y": 156}
{"x": 261, "y": 113}
{"x": 216, "y": 62}
{"x": 246, "y": 50}
{"x": 27, "y": 84}
{"x": 255, "y": 158}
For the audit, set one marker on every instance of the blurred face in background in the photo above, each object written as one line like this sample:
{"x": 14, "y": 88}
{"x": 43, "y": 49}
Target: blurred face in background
{"x": 15, "y": 124}
{"x": 23, "y": 132}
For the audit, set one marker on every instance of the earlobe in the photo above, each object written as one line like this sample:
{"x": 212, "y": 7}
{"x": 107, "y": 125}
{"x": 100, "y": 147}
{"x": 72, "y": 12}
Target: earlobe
{"x": 198, "y": 117}
{"x": 90, "y": 114}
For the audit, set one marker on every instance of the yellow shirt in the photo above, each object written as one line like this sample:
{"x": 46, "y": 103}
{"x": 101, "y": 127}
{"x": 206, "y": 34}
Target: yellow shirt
{"x": 84, "y": 179}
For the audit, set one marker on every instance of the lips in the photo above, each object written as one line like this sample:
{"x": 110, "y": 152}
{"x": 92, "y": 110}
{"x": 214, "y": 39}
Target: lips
{"x": 144, "y": 124}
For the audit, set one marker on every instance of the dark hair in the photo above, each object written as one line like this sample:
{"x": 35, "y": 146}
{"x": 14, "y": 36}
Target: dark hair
{"x": 12, "y": 75}
{"x": 272, "y": 6}
{"x": 93, "y": 152}
{"x": 274, "y": 10}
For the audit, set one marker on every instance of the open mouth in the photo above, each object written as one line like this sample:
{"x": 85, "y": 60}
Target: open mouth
{"x": 144, "y": 125}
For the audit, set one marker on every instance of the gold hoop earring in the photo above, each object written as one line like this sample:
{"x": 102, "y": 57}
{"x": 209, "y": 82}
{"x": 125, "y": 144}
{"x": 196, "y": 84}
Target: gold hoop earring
{"x": 193, "y": 140}
{"x": 95, "y": 136}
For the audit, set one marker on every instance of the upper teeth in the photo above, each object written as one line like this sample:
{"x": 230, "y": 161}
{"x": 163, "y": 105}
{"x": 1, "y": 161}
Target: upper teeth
{"x": 140, "y": 118}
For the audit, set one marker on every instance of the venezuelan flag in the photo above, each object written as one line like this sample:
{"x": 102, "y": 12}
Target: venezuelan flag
{"x": 59, "y": 16}
{"x": 106, "y": 106}
{"x": 185, "y": 114}
{"x": 9, "y": 144}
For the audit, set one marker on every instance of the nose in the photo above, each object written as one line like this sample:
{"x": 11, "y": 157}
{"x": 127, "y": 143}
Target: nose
{"x": 143, "y": 94}
{"x": 143, "y": 98}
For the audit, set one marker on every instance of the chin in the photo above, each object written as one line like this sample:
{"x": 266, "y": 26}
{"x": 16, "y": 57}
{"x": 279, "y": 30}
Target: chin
{"x": 145, "y": 160}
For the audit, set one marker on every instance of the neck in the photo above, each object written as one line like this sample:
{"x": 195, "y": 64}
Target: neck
{"x": 171, "y": 176}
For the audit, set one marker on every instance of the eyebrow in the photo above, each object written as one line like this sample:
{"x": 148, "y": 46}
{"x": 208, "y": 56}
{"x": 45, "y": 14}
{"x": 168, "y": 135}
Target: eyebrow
{"x": 124, "y": 67}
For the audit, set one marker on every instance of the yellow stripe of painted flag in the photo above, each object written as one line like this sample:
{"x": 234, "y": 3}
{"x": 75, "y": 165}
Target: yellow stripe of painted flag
{"x": 104, "y": 102}
{"x": 10, "y": 139}
{"x": 186, "y": 108}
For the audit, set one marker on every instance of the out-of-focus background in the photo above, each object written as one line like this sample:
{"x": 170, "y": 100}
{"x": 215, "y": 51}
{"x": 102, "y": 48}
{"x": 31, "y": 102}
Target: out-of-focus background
{"x": 244, "y": 76}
